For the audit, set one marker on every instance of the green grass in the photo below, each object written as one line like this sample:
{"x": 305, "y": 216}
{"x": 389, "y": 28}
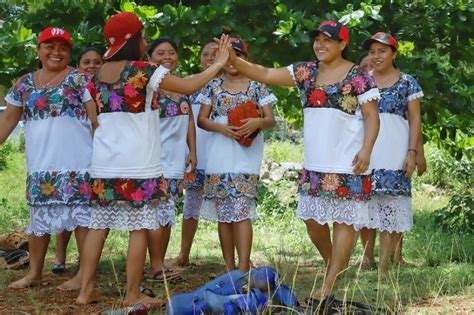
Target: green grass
{"x": 442, "y": 262}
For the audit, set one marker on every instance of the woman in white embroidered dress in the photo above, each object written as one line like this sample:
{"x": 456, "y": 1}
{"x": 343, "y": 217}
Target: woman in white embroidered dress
{"x": 195, "y": 184}
{"x": 397, "y": 150}
{"x": 56, "y": 105}
{"x": 340, "y": 127}
{"x": 126, "y": 171}
{"x": 178, "y": 150}
{"x": 232, "y": 170}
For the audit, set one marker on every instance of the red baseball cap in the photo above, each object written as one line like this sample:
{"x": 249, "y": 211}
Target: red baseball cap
{"x": 333, "y": 30}
{"x": 54, "y": 32}
{"x": 381, "y": 37}
{"x": 118, "y": 29}
{"x": 239, "y": 45}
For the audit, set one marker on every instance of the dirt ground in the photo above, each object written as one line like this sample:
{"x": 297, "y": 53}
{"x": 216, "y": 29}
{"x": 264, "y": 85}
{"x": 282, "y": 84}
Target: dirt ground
{"x": 46, "y": 299}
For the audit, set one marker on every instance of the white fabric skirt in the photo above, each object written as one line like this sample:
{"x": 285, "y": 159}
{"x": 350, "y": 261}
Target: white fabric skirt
{"x": 57, "y": 218}
{"x": 391, "y": 214}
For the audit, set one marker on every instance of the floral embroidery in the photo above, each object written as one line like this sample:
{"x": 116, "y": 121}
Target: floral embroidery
{"x": 175, "y": 187}
{"x": 58, "y": 188}
{"x": 222, "y": 101}
{"x": 128, "y": 94}
{"x": 172, "y": 106}
{"x": 194, "y": 180}
{"x": 394, "y": 99}
{"x": 230, "y": 184}
{"x": 332, "y": 185}
{"x": 134, "y": 192}
{"x": 62, "y": 100}
{"x": 342, "y": 95}
{"x": 390, "y": 182}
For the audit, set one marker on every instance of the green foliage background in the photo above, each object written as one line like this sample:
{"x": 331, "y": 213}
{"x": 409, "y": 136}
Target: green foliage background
{"x": 436, "y": 43}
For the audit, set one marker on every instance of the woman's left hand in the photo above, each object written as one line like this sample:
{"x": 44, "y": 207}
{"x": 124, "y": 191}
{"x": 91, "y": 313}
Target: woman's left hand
{"x": 191, "y": 161}
{"x": 409, "y": 164}
{"x": 249, "y": 126}
{"x": 361, "y": 162}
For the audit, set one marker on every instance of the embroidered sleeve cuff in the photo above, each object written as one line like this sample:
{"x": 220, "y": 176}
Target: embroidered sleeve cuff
{"x": 268, "y": 100}
{"x": 415, "y": 96}
{"x": 370, "y": 95}
{"x": 157, "y": 76}
{"x": 86, "y": 96}
{"x": 203, "y": 100}
{"x": 291, "y": 69}
{"x": 12, "y": 101}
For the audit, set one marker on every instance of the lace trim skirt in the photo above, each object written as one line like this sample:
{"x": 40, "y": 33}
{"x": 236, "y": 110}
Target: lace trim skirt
{"x": 57, "y": 218}
{"x": 391, "y": 214}
{"x": 193, "y": 199}
{"x": 333, "y": 210}
{"x": 229, "y": 209}
{"x": 125, "y": 217}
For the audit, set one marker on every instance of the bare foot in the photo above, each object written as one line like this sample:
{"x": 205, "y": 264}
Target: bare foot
{"x": 26, "y": 282}
{"x": 71, "y": 285}
{"x": 181, "y": 261}
{"x": 321, "y": 294}
{"x": 403, "y": 263}
{"x": 88, "y": 296}
{"x": 142, "y": 298}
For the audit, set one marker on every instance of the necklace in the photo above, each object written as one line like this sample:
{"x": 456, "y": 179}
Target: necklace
{"x": 388, "y": 79}
{"x": 40, "y": 78}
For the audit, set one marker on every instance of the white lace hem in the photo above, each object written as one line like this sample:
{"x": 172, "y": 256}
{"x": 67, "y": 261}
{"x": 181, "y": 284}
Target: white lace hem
{"x": 371, "y": 95}
{"x": 391, "y": 214}
{"x": 57, "y": 218}
{"x": 268, "y": 100}
{"x": 229, "y": 209}
{"x": 415, "y": 96}
{"x": 193, "y": 199}
{"x": 330, "y": 210}
{"x": 126, "y": 217}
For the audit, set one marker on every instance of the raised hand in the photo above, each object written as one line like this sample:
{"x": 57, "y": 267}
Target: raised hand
{"x": 222, "y": 54}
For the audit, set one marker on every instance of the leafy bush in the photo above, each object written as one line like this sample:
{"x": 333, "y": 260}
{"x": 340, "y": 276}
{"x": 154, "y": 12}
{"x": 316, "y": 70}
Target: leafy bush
{"x": 445, "y": 171}
{"x": 5, "y": 150}
{"x": 458, "y": 215}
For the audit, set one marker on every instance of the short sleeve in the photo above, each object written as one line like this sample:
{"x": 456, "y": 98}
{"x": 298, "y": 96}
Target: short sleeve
{"x": 364, "y": 87}
{"x": 414, "y": 89}
{"x": 15, "y": 94}
{"x": 302, "y": 72}
{"x": 81, "y": 83}
{"x": 205, "y": 94}
{"x": 264, "y": 95}
{"x": 157, "y": 76}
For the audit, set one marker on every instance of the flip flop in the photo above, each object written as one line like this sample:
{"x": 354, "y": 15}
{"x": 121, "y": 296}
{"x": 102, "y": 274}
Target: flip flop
{"x": 147, "y": 291}
{"x": 15, "y": 259}
{"x": 58, "y": 268}
{"x": 169, "y": 276}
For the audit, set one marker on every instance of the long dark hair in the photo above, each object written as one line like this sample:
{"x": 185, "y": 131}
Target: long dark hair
{"x": 160, "y": 40}
{"x": 131, "y": 50}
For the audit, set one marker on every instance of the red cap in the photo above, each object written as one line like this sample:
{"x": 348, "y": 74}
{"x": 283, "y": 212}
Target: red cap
{"x": 118, "y": 29}
{"x": 54, "y": 32}
{"x": 239, "y": 45}
{"x": 383, "y": 38}
{"x": 333, "y": 30}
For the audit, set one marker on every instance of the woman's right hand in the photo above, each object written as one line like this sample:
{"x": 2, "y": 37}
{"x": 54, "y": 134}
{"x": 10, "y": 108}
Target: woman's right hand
{"x": 222, "y": 54}
{"x": 229, "y": 131}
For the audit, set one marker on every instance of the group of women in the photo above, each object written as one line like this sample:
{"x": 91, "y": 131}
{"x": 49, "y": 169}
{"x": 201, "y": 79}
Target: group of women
{"x": 115, "y": 147}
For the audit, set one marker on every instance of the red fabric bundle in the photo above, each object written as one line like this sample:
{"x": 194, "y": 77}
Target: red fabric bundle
{"x": 248, "y": 109}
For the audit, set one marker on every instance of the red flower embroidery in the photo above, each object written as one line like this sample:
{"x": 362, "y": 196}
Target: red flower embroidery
{"x": 125, "y": 188}
{"x": 136, "y": 103}
{"x": 342, "y": 191}
{"x": 140, "y": 64}
{"x": 317, "y": 98}
{"x": 366, "y": 184}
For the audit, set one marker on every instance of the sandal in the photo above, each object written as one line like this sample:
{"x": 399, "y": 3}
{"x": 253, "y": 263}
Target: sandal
{"x": 168, "y": 275}
{"x": 323, "y": 306}
{"x": 15, "y": 259}
{"x": 58, "y": 268}
{"x": 14, "y": 240}
{"x": 147, "y": 291}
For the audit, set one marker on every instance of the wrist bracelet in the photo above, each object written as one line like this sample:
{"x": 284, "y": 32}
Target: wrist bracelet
{"x": 413, "y": 151}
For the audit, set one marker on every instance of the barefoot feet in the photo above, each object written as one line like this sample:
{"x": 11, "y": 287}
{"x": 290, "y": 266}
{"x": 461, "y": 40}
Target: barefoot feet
{"x": 26, "y": 282}
{"x": 71, "y": 285}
